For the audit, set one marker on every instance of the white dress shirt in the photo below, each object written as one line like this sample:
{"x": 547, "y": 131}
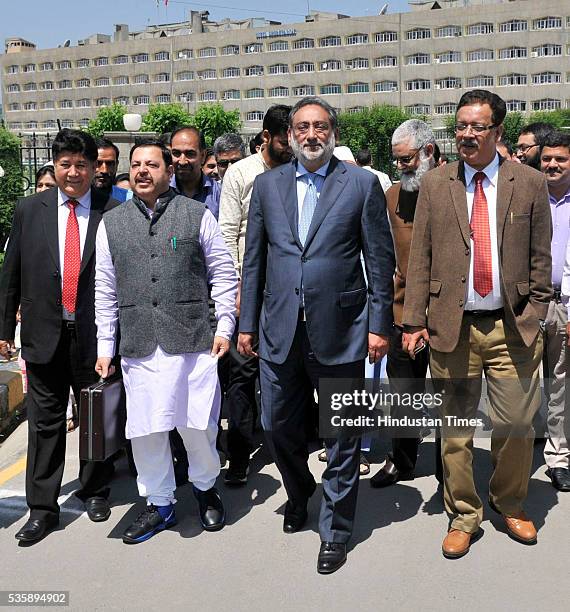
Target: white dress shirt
{"x": 302, "y": 183}
{"x": 493, "y": 299}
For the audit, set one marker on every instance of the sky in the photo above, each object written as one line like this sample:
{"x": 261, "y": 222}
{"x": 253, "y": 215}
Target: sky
{"x": 49, "y": 24}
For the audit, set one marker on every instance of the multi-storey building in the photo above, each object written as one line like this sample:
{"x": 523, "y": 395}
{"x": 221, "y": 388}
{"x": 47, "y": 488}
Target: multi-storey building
{"x": 422, "y": 60}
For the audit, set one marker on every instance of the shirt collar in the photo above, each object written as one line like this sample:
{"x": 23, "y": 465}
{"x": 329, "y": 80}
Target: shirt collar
{"x": 84, "y": 200}
{"x": 491, "y": 171}
{"x": 565, "y": 198}
{"x": 302, "y": 171}
{"x": 204, "y": 188}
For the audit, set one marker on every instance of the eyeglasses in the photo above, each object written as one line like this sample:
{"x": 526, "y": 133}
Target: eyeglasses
{"x": 224, "y": 163}
{"x": 406, "y": 159}
{"x": 476, "y": 129}
{"x": 523, "y": 148}
{"x": 320, "y": 127}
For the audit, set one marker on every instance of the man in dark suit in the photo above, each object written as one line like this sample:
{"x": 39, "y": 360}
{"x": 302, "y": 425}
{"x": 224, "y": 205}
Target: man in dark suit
{"x": 480, "y": 266}
{"x": 49, "y": 269}
{"x": 304, "y": 294}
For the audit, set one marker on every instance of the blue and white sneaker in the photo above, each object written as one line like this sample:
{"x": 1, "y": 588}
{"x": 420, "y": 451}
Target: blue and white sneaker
{"x": 151, "y": 521}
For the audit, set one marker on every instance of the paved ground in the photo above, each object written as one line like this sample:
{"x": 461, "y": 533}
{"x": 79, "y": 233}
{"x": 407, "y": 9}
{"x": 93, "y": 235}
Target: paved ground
{"x": 394, "y": 562}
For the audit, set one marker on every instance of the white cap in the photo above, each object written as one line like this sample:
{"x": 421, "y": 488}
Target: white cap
{"x": 344, "y": 154}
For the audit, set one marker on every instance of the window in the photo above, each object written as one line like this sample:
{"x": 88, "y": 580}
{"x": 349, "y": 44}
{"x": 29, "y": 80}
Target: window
{"x": 30, "y": 68}
{"x": 354, "y": 109}
{"x": 330, "y": 41}
{"x": 141, "y": 78}
{"x": 83, "y": 103}
{"x": 13, "y": 69}
{"x": 185, "y": 75}
{"x": 207, "y": 52}
{"x": 162, "y": 56}
{"x": 30, "y": 87}
{"x": 448, "y": 31}
{"x": 187, "y": 96}
{"x": 13, "y": 88}
{"x": 448, "y": 83}
{"x": 256, "y": 92}
{"x": 253, "y": 48}
{"x": 387, "y": 36}
{"x": 46, "y": 66}
{"x": 546, "y": 51}
{"x": 279, "y": 92}
{"x": 304, "y": 67}
{"x": 331, "y": 65}
{"x": 546, "y": 104}
{"x": 254, "y": 71}
{"x": 103, "y": 102}
{"x": 513, "y": 53}
{"x": 547, "y": 23}
{"x": 30, "y": 106}
{"x": 140, "y": 58}
{"x": 50, "y": 124}
{"x": 279, "y": 45}
{"x": 254, "y": 116}
{"x": 359, "y": 87}
{"x": 417, "y": 58}
{"x": 208, "y": 96}
{"x": 516, "y": 105}
{"x": 230, "y": 73}
{"x": 121, "y": 59}
{"x": 357, "y": 39}
{"x": 15, "y": 125}
{"x": 122, "y": 100}
{"x": 14, "y": 106}
{"x": 207, "y": 74}
{"x": 327, "y": 90}
{"x": 162, "y": 77}
{"x": 515, "y": 25}
{"x": 447, "y": 57}
{"x": 121, "y": 80}
{"x": 304, "y": 43}
{"x": 47, "y": 105}
{"x": 83, "y": 122}
{"x": 546, "y": 77}
{"x": 304, "y": 90}
{"x": 141, "y": 100}
{"x": 418, "y": 34}
{"x": 82, "y": 63}
{"x": 231, "y": 94}
{"x": 480, "y": 80}
{"x": 512, "y": 79}
{"x": 66, "y": 104}
{"x": 357, "y": 63}
{"x": 101, "y": 61}
{"x": 67, "y": 123}
{"x": 230, "y": 50}
{"x": 64, "y": 65}
{"x": 418, "y": 84}
{"x": 65, "y": 84}
{"x": 83, "y": 83}
{"x": 185, "y": 54}
{"x": 479, "y": 28}
{"x": 480, "y": 55}
{"x": 33, "y": 125}
{"x": 279, "y": 69}
{"x": 163, "y": 99}
{"x": 385, "y": 86}
{"x": 445, "y": 109}
{"x": 418, "y": 109}
{"x": 102, "y": 82}
{"x": 385, "y": 61}
{"x": 46, "y": 85}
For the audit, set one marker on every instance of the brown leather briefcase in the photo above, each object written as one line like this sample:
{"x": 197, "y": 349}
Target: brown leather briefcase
{"x": 102, "y": 419}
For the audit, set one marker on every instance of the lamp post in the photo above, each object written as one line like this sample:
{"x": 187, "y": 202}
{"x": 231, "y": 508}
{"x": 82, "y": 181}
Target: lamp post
{"x": 132, "y": 122}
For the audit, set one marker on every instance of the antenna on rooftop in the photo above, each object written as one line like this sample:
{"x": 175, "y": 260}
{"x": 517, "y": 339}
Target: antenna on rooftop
{"x": 67, "y": 43}
{"x": 383, "y": 9}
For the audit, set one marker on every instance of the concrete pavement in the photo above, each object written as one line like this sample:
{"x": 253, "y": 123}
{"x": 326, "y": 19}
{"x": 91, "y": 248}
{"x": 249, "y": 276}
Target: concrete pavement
{"x": 394, "y": 562}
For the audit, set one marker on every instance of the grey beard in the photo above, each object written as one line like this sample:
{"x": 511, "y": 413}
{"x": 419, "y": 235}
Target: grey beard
{"x": 411, "y": 181}
{"x": 324, "y": 155}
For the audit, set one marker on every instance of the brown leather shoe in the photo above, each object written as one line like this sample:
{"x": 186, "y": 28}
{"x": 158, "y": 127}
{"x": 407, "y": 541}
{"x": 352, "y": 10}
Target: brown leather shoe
{"x": 521, "y": 528}
{"x": 456, "y": 543}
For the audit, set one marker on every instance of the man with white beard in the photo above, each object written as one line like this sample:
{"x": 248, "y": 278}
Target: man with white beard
{"x": 413, "y": 145}
{"x": 304, "y": 295}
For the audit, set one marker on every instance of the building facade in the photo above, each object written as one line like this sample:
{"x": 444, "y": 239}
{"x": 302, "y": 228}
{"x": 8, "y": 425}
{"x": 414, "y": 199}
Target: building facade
{"x": 421, "y": 60}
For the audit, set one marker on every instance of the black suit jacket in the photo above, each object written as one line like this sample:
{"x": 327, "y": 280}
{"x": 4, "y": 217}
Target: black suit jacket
{"x": 31, "y": 276}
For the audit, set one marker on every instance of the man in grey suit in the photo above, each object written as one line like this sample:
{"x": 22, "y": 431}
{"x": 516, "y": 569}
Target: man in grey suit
{"x": 304, "y": 294}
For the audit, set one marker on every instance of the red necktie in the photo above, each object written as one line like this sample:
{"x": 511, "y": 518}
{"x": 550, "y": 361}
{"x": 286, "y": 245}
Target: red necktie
{"x": 71, "y": 259}
{"x": 482, "y": 270}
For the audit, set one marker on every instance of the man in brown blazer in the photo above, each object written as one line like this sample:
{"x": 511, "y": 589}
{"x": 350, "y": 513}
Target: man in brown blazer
{"x": 479, "y": 285}
{"x": 413, "y": 146}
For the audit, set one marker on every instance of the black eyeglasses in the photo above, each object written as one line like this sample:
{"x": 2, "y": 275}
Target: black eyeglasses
{"x": 523, "y": 148}
{"x": 224, "y": 163}
{"x": 406, "y": 159}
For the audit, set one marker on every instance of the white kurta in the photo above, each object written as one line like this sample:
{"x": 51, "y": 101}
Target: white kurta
{"x": 165, "y": 391}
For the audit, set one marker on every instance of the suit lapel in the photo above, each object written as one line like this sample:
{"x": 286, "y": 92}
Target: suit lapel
{"x": 505, "y": 184}
{"x": 459, "y": 197}
{"x": 49, "y": 213}
{"x": 98, "y": 201}
{"x": 287, "y": 190}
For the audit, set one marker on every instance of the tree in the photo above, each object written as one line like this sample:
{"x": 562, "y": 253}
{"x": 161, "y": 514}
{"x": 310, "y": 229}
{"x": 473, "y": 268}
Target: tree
{"x": 512, "y": 126}
{"x": 108, "y": 119}
{"x": 213, "y": 121}
{"x": 11, "y": 184}
{"x": 557, "y": 118}
{"x": 372, "y": 128}
{"x": 162, "y": 118}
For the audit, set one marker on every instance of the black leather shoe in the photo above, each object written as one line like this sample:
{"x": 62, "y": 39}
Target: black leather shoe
{"x": 332, "y": 556}
{"x": 212, "y": 513}
{"x": 389, "y": 475}
{"x": 294, "y": 518}
{"x": 98, "y": 509}
{"x": 560, "y": 478}
{"x": 35, "y": 529}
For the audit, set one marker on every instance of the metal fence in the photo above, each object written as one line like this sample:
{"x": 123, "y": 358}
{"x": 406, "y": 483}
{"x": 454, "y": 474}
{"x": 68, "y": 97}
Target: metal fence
{"x": 35, "y": 152}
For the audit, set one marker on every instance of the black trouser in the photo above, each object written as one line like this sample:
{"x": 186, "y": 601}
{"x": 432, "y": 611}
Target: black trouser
{"x": 407, "y": 376}
{"x": 48, "y": 394}
{"x": 242, "y": 407}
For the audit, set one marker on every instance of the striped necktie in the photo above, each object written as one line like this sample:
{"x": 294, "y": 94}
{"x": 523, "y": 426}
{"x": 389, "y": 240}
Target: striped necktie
{"x": 308, "y": 209}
